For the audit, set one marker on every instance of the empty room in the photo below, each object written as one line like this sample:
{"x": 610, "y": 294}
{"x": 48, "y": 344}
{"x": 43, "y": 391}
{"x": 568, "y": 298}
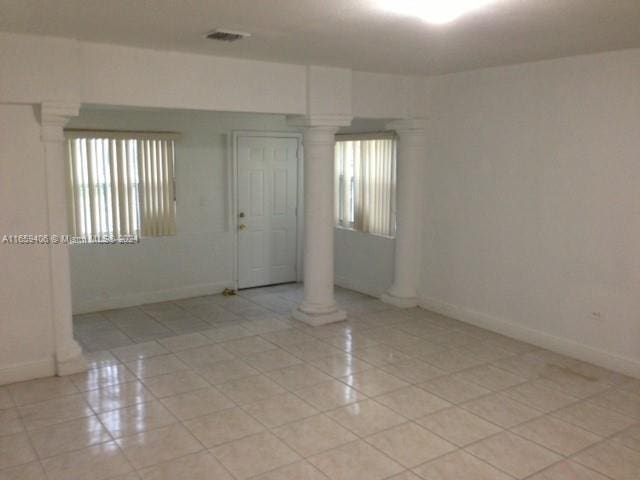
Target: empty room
{"x": 335, "y": 240}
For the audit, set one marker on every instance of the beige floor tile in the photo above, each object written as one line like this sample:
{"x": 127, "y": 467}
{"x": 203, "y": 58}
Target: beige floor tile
{"x": 596, "y": 419}
{"x": 136, "y": 418}
{"x": 117, "y": 396}
{"x": 600, "y": 374}
{"x": 536, "y": 394}
{"x": 490, "y": 377}
{"x": 247, "y": 345}
{"x": 629, "y": 438}
{"x": 405, "y": 476}
{"x": 611, "y": 459}
{"x": 567, "y": 470}
{"x": 314, "y": 435}
{"x": 501, "y": 410}
{"x": 451, "y": 361}
{"x": 175, "y": 383}
{"x": 199, "y": 466}
{"x": 340, "y": 365}
{"x": 413, "y": 371}
{"x": 139, "y": 350}
{"x": 68, "y": 436}
{"x": 156, "y": 446}
{"x": 329, "y": 395}
{"x": 271, "y": 360}
{"x": 574, "y": 383}
{"x": 96, "y": 463}
{"x": 251, "y": 389}
{"x": 513, "y": 454}
{"x": 366, "y": 417}
{"x": 380, "y": 355}
{"x": 312, "y": 350}
{"x": 459, "y": 426}
{"x": 226, "y": 371}
{"x": 298, "y": 376}
{"x": 254, "y": 455}
{"x": 561, "y": 437}
{"x": 412, "y": 402}
{"x": 223, "y": 334}
{"x": 355, "y": 461}
{"x": 410, "y": 445}
{"x": 155, "y": 366}
{"x": 185, "y": 342}
{"x": 460, "y": 465}
{"x": 10, "y": 422}
{"x": 5, "y": 398}
{"x": 296, "y": 471}
{"x": 453, "y": 339}
{"x": 197, "y": 403}
{"x": 223, "y": 426}
{"x": 54, "y": 411}
{"x": 102, "y": 377}
{"x": 632, "y": 386}
{"x": 526, "y": 366}
{"x": 203, "y": 357}
{"x": 374, "y": 382}
{"x": 351, "y": 341}
{"x": 485, "y": 351}
{"x": 290, "y": 336}
{"x": 453, "y": 389}
{"x": 620, "y": 401}
{"x": 422, "y": 349}
{"x": 15, "y": 450}
{"x": 36, "y": 391}
{"x": 280, "y": 409}
{"x": 99, "y": 359}
{"x": 28, "y": 471}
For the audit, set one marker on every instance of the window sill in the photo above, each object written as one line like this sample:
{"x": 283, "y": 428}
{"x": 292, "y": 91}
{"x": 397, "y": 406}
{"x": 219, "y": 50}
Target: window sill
{"x": 355, "y": 230}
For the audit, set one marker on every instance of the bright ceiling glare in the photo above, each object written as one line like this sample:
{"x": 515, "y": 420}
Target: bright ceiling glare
{"x": 433, "y": 11}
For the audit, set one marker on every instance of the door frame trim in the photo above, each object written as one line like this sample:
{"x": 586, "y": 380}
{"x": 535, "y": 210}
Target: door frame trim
{"x": 232, "y": 176}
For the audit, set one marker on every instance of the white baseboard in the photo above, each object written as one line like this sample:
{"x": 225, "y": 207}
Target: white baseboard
{"x": 123, "y": 301}
{"x": 357, "y": 286}
{"x": 20, "y": 372}
{"x": 565, "y": 346}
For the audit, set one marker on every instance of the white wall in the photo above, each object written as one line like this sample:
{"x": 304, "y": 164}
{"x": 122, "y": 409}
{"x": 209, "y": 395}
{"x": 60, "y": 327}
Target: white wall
{"x": 532, "y": 204}
{"x": 199, "y": 259}
{"x": 363, "y": 262}
{"x": 26, "y": 348}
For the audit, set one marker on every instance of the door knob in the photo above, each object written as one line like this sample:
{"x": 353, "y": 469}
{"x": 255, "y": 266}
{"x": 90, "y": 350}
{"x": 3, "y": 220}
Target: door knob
{"x": 242, "y": 226}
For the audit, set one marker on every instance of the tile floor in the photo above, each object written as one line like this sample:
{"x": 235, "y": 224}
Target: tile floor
{"x": 230, "y": 388}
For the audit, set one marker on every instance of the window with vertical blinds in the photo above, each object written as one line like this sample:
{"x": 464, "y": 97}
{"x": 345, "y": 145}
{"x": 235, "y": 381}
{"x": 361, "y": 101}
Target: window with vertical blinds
{"x": 365, "y": 182}
{"x": 121, "y": 185}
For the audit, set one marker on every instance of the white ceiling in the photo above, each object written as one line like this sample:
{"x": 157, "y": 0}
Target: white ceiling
{"x": 345, "y": 33}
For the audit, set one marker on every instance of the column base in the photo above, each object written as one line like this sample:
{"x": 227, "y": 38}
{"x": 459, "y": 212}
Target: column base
{"x": 400, "y": 302}
{"x": 69, "y": 366}
{"x": 316, "y": 319}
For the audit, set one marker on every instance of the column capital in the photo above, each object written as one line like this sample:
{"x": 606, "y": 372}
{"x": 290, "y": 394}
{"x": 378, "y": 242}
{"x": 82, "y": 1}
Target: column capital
{"x": 327, "y": 121}
{"x": 409, "y": 126}
{"x": 53, "y": 117}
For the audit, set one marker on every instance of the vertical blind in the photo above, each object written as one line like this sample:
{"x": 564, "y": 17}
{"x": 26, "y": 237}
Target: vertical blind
{"x": 121, "y": 185}
{"x": 365, "y": 183}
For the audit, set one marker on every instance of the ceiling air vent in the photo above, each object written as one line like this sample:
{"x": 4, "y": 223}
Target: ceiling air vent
{"x": 226, "y": 35}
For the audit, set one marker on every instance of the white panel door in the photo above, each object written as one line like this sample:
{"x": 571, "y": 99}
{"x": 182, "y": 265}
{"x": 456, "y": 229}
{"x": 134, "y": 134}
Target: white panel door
{"x": 267, "y": 200}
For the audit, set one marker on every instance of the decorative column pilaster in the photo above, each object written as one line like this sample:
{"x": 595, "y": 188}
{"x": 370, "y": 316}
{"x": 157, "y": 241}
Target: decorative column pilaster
{"x": 53, "y": 118}
{"x": 411, "y": 154}
{"x": 319, "y": 306}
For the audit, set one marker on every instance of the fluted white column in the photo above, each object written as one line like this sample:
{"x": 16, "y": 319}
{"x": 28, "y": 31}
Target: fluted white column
{"x": 411, "y": 154}
{"x": 53, "y": 118}
{"x": 319, "y": 306}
